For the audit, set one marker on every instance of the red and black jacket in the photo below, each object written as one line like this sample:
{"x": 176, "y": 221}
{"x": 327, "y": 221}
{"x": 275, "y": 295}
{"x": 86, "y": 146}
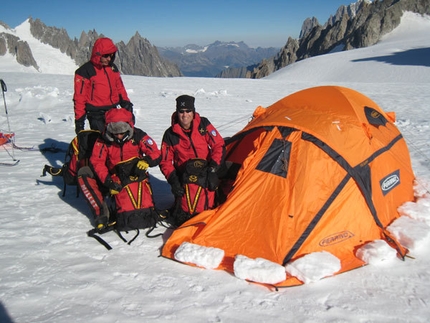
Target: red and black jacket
{"x": 106, "y": 156}
{"x": 97, "y": 86}
{"x": 179, "y": 146}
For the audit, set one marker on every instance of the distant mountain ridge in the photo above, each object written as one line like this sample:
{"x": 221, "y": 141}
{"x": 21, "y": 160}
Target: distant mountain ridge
{"x": 210, "y": 60}
{"x": 357, "y": 25}
{"x": 137, "y": 57}
{"x": 360, "y": 24}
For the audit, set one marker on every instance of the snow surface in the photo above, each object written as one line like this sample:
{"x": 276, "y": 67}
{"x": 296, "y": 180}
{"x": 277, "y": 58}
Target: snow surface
{"x": 52, "y": 272}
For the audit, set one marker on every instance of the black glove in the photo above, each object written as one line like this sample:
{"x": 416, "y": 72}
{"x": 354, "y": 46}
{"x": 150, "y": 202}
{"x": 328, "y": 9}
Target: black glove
{"x": 177, "y": 188}
{"x": 114, "y": 187}
{"x": 79, "y": 125}
{"x": 127, "y": 105}
{"x": 213, "y": 180}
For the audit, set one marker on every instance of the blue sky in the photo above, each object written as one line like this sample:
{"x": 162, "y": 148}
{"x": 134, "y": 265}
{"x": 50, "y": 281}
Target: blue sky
{"x": 175, "y": 22}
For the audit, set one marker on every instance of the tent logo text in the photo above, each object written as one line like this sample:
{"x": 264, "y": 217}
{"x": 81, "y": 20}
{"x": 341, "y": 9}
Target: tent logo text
{"x": 375, "y": 114}
{"x": 335, "y": 238}
{"x": 389, "y": 182}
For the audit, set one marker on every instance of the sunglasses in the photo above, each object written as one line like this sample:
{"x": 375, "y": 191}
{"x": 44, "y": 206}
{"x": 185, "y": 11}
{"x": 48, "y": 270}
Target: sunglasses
{"x": 185, "y": 110}
{"x": 108, "y": 55}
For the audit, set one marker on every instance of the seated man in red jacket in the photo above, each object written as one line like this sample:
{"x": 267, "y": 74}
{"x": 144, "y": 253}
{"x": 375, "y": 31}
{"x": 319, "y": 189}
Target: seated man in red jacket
{"x": 192, "y": 152}
{"x": 118, "y": 164}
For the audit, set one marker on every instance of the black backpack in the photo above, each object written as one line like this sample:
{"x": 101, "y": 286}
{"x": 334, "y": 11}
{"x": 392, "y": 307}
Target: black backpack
{"x": 77, "y": 155}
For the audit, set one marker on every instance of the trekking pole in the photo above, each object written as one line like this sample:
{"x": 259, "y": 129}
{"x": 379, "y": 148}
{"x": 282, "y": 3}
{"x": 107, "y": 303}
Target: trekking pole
{"x": 3, "y": 90}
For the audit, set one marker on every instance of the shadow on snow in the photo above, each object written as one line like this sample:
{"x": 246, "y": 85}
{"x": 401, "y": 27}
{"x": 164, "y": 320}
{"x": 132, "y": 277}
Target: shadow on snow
{"x": 411, "y": 57}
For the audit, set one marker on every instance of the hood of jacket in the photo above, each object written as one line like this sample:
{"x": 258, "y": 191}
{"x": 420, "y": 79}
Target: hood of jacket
{"x": 102, "y": 46}
{"x": 118, "y": 120}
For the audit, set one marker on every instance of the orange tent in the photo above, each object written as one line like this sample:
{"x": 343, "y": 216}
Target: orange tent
{"x": 323, "y": 169}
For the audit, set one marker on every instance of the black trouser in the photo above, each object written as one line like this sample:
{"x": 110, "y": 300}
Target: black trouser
{"x": 96, "y": 118}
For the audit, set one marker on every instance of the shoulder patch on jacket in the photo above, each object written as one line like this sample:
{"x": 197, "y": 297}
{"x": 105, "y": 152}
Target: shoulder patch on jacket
{"x": 204, "y": 123}
{"x": 150, "y": 142}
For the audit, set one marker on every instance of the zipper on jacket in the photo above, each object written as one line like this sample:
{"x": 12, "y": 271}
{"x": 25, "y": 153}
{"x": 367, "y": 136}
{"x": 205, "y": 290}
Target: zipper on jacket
{"x": 194, "y": 148}
{"x": 82, "y": 86}
{"x": 110, "y": 85}
{"x": 101, "y": 151}
{"x": 92, "y": 90}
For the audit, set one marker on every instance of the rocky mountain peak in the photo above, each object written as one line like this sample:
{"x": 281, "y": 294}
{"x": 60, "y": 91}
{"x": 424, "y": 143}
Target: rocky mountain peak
{"x": 360, "y": 24}
{"x": 138, "y": 57}
{"x": 308, "y": 25}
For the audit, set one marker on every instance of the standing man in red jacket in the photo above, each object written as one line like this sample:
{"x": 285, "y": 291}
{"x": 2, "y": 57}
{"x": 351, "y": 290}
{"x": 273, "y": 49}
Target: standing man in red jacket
{"x": 192, "y": 151}
{"x": 98, "y": 87}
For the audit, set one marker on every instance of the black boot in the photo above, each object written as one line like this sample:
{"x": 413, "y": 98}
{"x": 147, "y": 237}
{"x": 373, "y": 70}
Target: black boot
{"x": 54, "y": 171}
